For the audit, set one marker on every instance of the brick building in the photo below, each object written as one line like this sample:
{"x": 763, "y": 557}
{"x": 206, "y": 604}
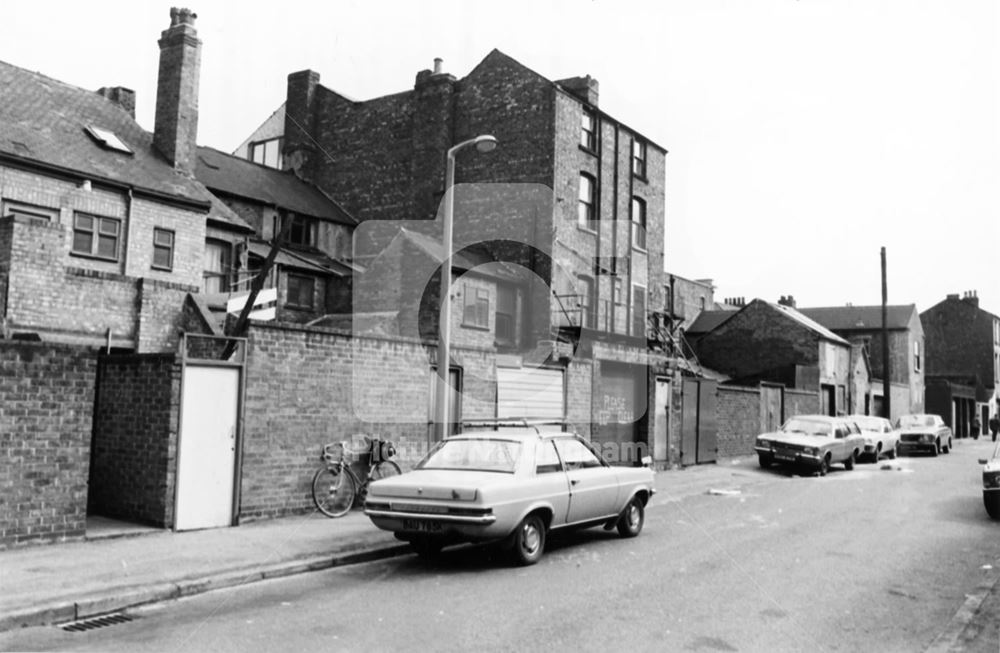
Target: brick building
{"x": 862, "y": 325}
{"x": 768, "y": 342}
{"x": 592, "y": 238}
{"x": 103, "y": 227}
{"x": 963, "y": 361}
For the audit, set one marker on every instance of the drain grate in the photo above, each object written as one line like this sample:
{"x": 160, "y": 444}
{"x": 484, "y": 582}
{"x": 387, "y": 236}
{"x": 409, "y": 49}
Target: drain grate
{"x": 94, "y": 623}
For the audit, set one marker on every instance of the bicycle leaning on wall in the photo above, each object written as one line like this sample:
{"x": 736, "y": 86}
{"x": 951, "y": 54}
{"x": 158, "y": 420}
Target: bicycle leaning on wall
{"x": 335, "y": 486}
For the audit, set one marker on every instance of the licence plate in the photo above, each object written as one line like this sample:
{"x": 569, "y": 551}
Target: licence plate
{"x": 421, "y": 525}
{"x": 784, "y": 456}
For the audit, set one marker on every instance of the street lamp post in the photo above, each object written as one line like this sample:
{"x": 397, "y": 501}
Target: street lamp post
{"x": 483, "y": 143}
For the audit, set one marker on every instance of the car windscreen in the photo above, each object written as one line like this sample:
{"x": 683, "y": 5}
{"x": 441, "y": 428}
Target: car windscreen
{"x": 870, "y": 424}
{"x": 910, "y": 421}
{"x": 482, "y": 455}
{"x": 806, "y": 427}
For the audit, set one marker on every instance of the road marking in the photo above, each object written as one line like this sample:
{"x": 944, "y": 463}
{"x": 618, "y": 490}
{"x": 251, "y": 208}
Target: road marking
{"x": 948, "y": 639}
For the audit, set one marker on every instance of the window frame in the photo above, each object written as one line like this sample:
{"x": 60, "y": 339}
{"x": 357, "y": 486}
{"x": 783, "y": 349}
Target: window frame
{"x": 639, "y": 158}
{"x": 480, "y": 308}
{"x": 588, "y": 131}
{"x": 289, "y": 302}
{"x": 303, "y": 232}
{"x": 638, "y": 325}
{"x": 586, "y": 206}
{"x": 511, "y": 339}
{"x": 169, "y": 266}
{"x": 588, "y": 317}
{"x": 916, "y": 355}
{"x": 637, "y": 221}
{"x": 96, "y": 232}
{"x": 32, "y": 212}
{"x": 252, "y": 147}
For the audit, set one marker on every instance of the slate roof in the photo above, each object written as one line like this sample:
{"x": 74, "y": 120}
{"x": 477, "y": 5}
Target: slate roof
{"x": 849, "y": 318}
{"x": 710, "y": 320}
{"x": 239, "y": 177}
{"x": 44, "y": 122}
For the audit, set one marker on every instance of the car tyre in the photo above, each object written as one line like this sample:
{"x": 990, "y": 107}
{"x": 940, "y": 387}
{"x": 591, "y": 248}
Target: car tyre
{"x": 632, "y": 518}
{"x": 765, "y": 460}
{"x": 849, "y": 462}
{"x": 824, "y": 465}
{"x": 894, "y": 452}
{"x": 991, "y": 500}
{"x": 948, "y": 450}
{"x": 529, "y": 540}
{"x": 936, "y": 449}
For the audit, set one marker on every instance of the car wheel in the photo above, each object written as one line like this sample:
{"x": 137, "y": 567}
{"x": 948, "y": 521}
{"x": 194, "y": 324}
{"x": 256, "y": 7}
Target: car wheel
{"x": 849, "y": 462}
{"x": 824, "y": 465}
{"x": 877, "y": 453}
{"x": 949, "y": 446}
{"x": 894, "y": 451}
{"x": 632, "y": 519}
{"x": 427, "y": 547}
{"x": 936, "y": 449}
{"x": 765, "y": 460}
{"x": 992, "y": 502}
{"x": 529, "y": 540}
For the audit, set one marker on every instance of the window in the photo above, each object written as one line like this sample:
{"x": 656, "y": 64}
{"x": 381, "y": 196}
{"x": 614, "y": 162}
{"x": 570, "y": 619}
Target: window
{"x": 301, "y": 291}
{"x": 547, "y": 460}
{"x": 34, "y": 213}
{"x": 639, "y": 158}
{"x": 588, "y": 131}
{"x": 916, "y": 356}
{"x": 616, "y": 289}
{"x": 108, "y": 139}
{"x": 163, "y": 249}
{"x": 639, "y": 311}
{"x": 217, "y": 266}
{"x": 96, "y": 236}
{"x": 701, "y": 303}
{"x": 587, "y": 302}
{"x": 668, "y": 301}
{"x": 575, "y": 454}
{"x": 586, "y": 213}
{"x": 638, "y": 223}
{"x": 266, "y": 153}
{"x": 476, "y": 309}
{"x": 302, "y": 231}
{"x": 506, "y": 315}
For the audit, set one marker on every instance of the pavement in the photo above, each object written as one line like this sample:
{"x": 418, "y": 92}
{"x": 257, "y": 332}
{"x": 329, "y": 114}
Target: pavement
{"x": 116, "y": 569}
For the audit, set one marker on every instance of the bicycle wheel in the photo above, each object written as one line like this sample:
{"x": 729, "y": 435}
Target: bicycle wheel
{"x": 333, "y": 492}
{"x": 385, "y": 469}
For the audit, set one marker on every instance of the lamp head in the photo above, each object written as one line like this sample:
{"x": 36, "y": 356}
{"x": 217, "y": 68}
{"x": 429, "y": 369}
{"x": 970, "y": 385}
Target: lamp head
{"x": 486, "y": 143}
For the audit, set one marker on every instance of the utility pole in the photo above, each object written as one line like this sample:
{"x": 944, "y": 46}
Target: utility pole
{"x": 886, "y": 399}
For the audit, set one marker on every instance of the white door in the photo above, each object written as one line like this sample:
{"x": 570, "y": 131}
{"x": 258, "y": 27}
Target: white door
{"x": 532, "y": 392}
{"x": 206, "y": 457}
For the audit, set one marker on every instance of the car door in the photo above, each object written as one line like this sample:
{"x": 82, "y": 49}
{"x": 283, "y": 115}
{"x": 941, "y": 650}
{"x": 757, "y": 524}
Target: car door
{"x": 551, "y": 482}
{"x": 593, "y": 485}
{"x": 840, "y": 442}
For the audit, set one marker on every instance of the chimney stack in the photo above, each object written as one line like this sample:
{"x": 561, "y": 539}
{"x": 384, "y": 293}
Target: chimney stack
{"x": 123, "y": 97}
{"x": 586, "y": 88}
{"x": 971, "y": 297}
{"x": 175, "y": 131}
{"x": 788, "y": 301}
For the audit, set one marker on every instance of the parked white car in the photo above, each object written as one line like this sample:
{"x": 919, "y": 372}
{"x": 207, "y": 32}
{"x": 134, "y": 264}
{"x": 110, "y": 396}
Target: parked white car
{"x": 880, "y": 437}
{"x": 511, "y": 487}
{"x": 814, "y": 441}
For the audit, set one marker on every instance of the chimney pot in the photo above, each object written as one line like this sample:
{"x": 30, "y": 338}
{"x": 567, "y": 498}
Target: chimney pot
{"x": 437, "y": 65}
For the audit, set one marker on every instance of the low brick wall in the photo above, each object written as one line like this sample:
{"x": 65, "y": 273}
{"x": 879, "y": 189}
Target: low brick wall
{"x": 135, "y": 438}
{"x": 46, "y": 419}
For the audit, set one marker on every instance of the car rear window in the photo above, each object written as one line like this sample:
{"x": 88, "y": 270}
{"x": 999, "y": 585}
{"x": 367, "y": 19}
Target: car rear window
{"x": 481, "y": 455}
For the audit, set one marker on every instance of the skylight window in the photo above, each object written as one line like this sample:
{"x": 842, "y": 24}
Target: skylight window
{"x": 108, "y": 139}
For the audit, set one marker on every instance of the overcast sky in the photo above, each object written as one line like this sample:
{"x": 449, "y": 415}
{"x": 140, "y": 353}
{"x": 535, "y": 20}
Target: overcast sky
{"x": 804, "y": 135}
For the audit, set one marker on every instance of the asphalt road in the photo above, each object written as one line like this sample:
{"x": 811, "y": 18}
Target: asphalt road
{"x": 866, "y": 560}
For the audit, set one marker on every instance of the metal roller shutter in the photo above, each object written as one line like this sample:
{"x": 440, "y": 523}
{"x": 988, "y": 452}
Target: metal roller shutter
{"x": 531, "y": 392}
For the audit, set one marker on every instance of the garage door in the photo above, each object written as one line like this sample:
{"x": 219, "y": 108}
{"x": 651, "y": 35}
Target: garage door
{"x": 618, "y": 405}
{"x": 531, "y": 392}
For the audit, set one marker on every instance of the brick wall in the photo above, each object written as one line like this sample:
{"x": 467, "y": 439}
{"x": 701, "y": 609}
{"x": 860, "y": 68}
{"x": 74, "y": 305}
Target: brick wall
{"x": 738, "y": 418}
{"x": 800, "y": 402}
{"x": 135, "y": 438}
{"x": 76, "y": 298}
{"x": 46, "y": 411}
{"x": 307, "y": 387}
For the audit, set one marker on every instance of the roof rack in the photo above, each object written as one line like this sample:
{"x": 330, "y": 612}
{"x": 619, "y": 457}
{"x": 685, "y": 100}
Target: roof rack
{"x": 517, "y": 421}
